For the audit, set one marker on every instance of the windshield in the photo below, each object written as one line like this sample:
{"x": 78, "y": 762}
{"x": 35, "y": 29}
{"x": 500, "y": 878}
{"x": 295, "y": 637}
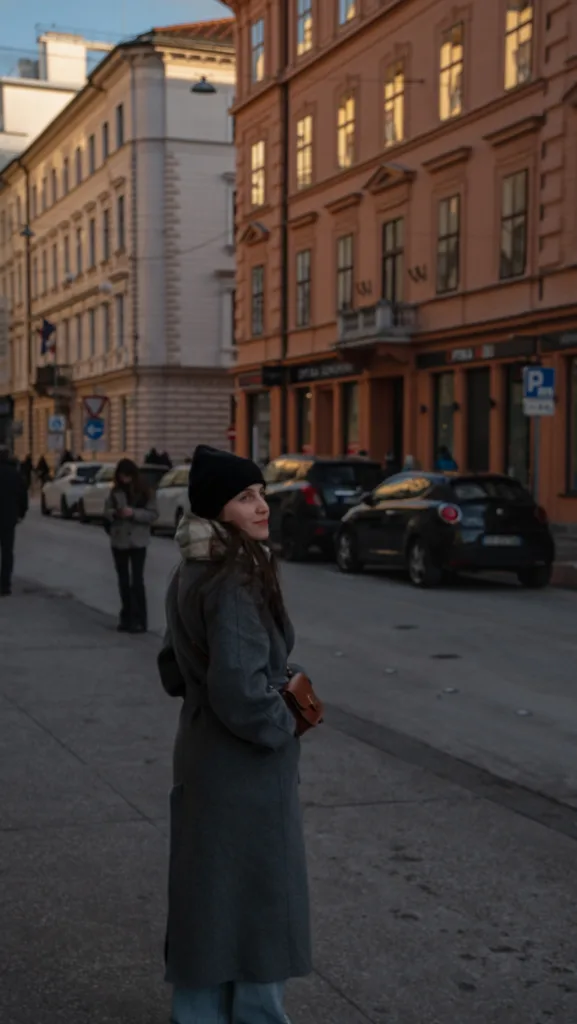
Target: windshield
{"x": 498, "y": 488}
{"x": 362, "y": 476}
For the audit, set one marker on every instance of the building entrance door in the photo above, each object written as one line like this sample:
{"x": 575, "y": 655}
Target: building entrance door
{"x": 478, "y": 412}
{"x": 387, "y": 411}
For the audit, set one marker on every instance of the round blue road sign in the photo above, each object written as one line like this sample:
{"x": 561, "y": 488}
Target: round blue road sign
{"x": 94, "y": 428}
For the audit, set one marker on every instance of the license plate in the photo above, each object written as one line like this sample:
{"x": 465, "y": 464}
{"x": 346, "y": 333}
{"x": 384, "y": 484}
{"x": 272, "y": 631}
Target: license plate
{"x": 348, "y": 496}
{"x": 502, "y": 542}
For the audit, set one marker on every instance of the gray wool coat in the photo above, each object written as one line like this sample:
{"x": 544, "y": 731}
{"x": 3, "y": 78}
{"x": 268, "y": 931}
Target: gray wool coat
{"x": 238, "y": 894}
{"x": 133, "y": 532}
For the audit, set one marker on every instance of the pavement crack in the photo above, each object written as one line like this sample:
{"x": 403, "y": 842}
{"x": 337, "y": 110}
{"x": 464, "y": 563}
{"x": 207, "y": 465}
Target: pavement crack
{"x": 347, "y": 999}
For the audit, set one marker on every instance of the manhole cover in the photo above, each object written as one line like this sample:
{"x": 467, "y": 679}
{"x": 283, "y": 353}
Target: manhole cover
{"x": 446, "y": 657}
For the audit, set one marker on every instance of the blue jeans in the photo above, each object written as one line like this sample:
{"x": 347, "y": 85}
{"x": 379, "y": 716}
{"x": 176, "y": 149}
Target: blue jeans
{"x": 239, "y": 1002}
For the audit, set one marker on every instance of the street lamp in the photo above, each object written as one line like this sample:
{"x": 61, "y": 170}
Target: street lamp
{"x": 203, "y": 88}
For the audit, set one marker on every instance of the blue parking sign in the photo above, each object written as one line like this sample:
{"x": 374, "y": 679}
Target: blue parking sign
{"x": 538, "y": 391}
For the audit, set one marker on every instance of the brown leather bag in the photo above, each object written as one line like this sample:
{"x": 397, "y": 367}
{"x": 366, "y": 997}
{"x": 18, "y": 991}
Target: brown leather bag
{"x": 303, "y": 702}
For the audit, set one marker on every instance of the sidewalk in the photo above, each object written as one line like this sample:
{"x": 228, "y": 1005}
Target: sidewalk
{"x": 432, "y": 905}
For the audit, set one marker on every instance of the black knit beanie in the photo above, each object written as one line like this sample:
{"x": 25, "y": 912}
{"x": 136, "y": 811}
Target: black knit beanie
{"x": 216, "y": 477}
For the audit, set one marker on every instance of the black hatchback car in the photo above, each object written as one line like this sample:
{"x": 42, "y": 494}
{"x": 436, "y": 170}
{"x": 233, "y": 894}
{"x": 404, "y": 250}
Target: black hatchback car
{"x": 434, "y": 523}
{"x": 309, "y": 495}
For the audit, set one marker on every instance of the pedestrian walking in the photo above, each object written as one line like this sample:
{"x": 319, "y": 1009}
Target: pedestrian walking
{"x": 66, "y": 456}
{"x": 13, "y": 508}
{"x": 238, "y": 917}
{"x": 129, "y": 511}
{"x": 42, "y": 470}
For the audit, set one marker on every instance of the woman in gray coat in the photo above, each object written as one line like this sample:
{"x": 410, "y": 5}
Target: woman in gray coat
{"x": 129, "y": 511}
{"x": 238, "y": 917}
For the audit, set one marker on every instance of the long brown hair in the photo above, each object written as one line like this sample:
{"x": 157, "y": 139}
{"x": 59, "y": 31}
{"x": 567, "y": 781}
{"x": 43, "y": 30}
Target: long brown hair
{"x": 137, "y": 490}
{"x": 232, "y": 551}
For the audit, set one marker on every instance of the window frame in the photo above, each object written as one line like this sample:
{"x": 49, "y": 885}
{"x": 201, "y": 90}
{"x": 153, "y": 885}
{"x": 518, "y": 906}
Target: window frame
{"x": 78, "y": 165}
{"x": 119, "y": 319}
{"x": 65, "y": 176}
{"x": 391, "y": 99}
{"x": 346, "y": 131}
{"x": 304, "y": 152}
{"x": 257, "y": 50}
{"x": 119, "y": 123}
{"x": 92, "y": 243}
{"x": 446, "y": 70}
{"x": 79, "y": 246}
{"x": 509, "y": 219}
{"x": 347, "y": 11}
{"x": 54, "y": 266}
{"x": 445, "y": 238}
{"x": 393, "y": 257}
{"x": 121, "y": 222}
{"x": 79, "y": 336}
{"x": 106, "y": 248}
{"x": 91, "y": 314}
{"x": 345, "y": 273}
{"x": 91, "y": 154}
{"x": 515, "y": 32}
{"x": 304, "y": 42}
{"x": 258, "y": 174}
{"x": 105, "y": 140}
{"x": 303, "y": 287}
{"x": 106, "y": 333}
{"x": 257, "y": 300}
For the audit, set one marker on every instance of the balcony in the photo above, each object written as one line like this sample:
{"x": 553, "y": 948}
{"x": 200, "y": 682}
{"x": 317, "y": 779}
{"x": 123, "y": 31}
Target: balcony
{"x": 385, "y": 322}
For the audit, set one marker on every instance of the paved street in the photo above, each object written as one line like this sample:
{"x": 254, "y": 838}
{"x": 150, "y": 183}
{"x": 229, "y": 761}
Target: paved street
{"x": 440, "y": 897}
{"x": 389, "y": 654}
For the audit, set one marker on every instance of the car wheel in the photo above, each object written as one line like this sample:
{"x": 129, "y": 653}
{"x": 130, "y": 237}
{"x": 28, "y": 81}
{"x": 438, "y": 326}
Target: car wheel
{"x": 43, "y": 506}
{"x": 293, "y": 547}
{"x": 65, "y": 510}
{"x": 347, "y": 552}
{"x": 422, "y": 570}
{"x": 535, "y": 577}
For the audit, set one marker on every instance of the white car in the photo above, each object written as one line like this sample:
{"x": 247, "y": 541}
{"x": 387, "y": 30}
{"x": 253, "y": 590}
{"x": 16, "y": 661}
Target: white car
{"x": 66, "y": 490}
{"x": 91, "y": 506}
{"x": 172, "y": 498}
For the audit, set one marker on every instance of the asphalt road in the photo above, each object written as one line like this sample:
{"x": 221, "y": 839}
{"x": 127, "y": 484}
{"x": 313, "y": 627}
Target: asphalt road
{"x": 482, "y": 673}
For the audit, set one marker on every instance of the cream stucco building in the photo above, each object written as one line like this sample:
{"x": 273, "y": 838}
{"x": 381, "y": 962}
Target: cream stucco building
{"x": 117, "y": 228}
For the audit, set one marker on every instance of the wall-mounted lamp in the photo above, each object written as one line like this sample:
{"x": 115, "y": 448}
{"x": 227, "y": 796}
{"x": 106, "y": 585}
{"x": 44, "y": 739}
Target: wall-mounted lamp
{"x": 203, "y": 88}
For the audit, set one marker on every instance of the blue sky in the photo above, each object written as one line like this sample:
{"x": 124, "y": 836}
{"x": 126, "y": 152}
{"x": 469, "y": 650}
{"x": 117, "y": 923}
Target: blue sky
{"x": 18, "y": 19}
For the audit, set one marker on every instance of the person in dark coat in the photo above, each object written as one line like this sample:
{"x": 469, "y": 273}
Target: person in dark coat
{"x": 13, "y": 508}
{"x": 152, "y": 458}
{"x": 66, "y": 456}
{"x": 42, "y": 470}
{"x": 165, "y": 460}
{"x": 26, "y": 470}
{"x": 129, "y": 511}
{"x": 238, "y": 916}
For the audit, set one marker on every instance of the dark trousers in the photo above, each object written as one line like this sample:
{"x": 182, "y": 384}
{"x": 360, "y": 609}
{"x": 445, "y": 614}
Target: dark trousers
{"x": 129, "y": 564}
{"x": 7, "y": 534}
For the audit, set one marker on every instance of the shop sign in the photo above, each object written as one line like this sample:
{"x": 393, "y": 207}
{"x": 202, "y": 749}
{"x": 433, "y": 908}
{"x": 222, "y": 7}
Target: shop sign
{"x": 250, "y": 380}
{"x": 523, "y": 345}
{"x": 321, "y": 371}
{"x": 462, "y": 355}
{"x": 554, "y": 342}
{"x": 266, "y": 377}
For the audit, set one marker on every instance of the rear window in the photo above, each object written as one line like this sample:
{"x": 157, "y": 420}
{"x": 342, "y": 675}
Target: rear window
{"x": 362, "y": 475}
{"x": 492, "y": 487}
{"x": 86, "y": 472}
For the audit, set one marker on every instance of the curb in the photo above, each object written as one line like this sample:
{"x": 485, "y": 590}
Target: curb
{"x": 565, "y": 575}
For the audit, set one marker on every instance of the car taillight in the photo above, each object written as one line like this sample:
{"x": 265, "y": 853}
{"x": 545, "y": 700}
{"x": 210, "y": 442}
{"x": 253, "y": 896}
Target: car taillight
{"x": 311, "y": 496}
{"x": 450, "y": 514}
{"x": 541, "y": 515}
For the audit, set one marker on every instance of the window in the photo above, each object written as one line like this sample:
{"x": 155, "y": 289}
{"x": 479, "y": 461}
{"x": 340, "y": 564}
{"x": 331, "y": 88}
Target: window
{"x": 346, "y": 132}
{"x": 451, "y": 74}
{"x": 78, "y": 164}
{"x": 44, "y": 271}
{"x": 106, "y": 235}
{"x": 257, "y": 293}
{"x": 394, "y": 103}
{"x": 35, "y": 277}
{"x": 257, "y": 50}
{"x": 259, "y": 426}
{"x": 106, "y": 326}
{"x": 34, "y": 201}
{"x": 393, "y": 260}
{"x": 120, "y": 222}
{"x": 304, "y": 419}
{"x": 119, "y": 125}
{"x": 79, "y": 262}
{"x": 258, "y": 175}
{"x": 92, "y": 243}
{"x": 91, "y": 332}
{"x": 518, "y": 42}
{"x": 66, "y": 255}
{"x": 54, "y": 180}
{"x": 345, "y": 272}
{"x": 444, "y": 412}
{"x": 347, "y": 11}
{"x": 304, "y": 26}
{"x": 91, "y": 154}
{"x": 78, "y": 336}
{"x": 66, "y": 343}
{"x": 44, "y": 194}
{"x": 448, "y": 245}
{"x": 65, "y": 177}
{"x": 119, "y": 316}
{"x": 351, "y": 418}
{"x": 305, "y": 151}
{"x": 477, "y": 422}
{"x": 513, "y": 260}
{"x": 303, "y": 318}
{"x": 105, "y": 141}
{"x": 55, "y": 266}
{"x": 517, "y": 459}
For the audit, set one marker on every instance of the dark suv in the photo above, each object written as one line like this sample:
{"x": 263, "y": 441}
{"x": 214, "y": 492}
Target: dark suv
{"x": 308, "y": 496}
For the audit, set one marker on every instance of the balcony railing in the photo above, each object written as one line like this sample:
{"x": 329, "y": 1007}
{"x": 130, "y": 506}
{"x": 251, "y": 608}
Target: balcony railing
{"x": 394, "y": 322}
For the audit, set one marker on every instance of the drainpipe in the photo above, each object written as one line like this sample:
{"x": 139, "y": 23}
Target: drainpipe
{"x": 285, "y": 29}
{"x": 134, "y": 244}
{"x": 28, "y": 282}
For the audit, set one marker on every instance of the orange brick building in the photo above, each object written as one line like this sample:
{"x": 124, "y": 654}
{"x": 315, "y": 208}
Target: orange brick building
{"x": 407, "y": 230}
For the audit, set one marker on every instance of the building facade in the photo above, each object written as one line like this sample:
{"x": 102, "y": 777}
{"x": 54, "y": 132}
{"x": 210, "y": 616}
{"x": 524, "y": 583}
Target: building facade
{"x": 407, "y": 231}
{"x": 117, "y": 253}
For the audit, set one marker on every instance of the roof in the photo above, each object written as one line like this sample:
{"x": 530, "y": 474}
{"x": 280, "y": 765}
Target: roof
{"x": 220, "y": 30}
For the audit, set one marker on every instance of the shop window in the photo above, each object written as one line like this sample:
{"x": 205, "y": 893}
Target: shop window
{"x": 303, "y": 317}
{"x": 304, "y": 26}
{"x": 572, "y": 428}
{"x": 257, "y": 301}
{"x": 451, "y": 73}
{"x": 394, "y": 103}
{"x": 518, "y": 42}
{"x": 347, "y": 11}
{"x": 305, "y": 152}
{"x": 345, "y": 273}
{"x": 259, "y": 426}
{"x": 448, "y": 245}
{"x": 257, "y": 174}
{"x": 513, "y": 260}
{"x": 119, "y": 125}
{"x": 393, "y": 242}
{"x": 478, "y": 413}
{"x": 346, "y": 132}
{"x": 444, "y": 412}
{"x": 518, "y": 434}
{"x": 304, "y": 419}
{"x": 257, "y": 50}
{"x": 351, "y": 418}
